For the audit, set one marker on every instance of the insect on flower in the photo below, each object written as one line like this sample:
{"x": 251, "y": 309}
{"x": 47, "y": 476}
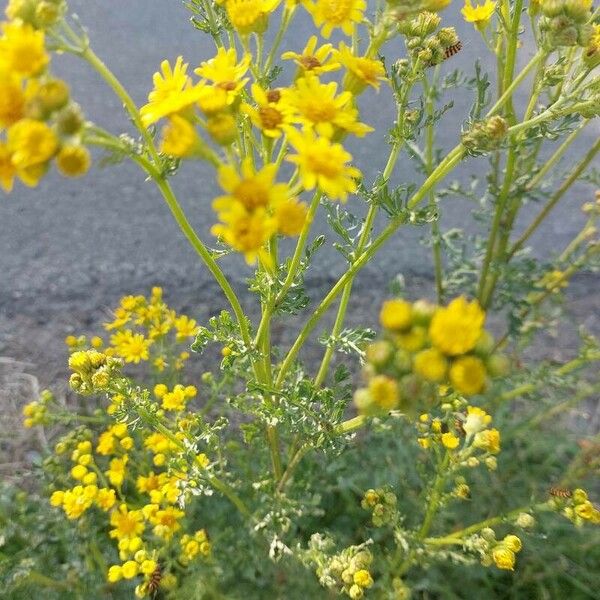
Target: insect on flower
{"x": 452, "y": 50}
{"x": 559, "y": 492}
{"x": 155, "y": 579}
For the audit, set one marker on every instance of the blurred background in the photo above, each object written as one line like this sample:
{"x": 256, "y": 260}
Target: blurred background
{"x": 70, "y": 248}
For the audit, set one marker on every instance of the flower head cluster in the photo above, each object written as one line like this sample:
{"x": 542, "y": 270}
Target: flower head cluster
{"x": 468, "y": 436}
{"x": 36, "y": 412}
{"x": 382, "y": 503}
{"x": 348, "y": 572}
{"x": 425, "y": 346}
{"x": 149, "y": 330}
{"x": 566, "y": 23}
{"x": 501, "y": 553}
{"x": 38, "y": 121}
{"x": 93, "y": 371}
{"x": 575, "y": 505}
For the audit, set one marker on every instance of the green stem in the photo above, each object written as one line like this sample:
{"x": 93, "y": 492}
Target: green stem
{"x": 451, "y": 160}
{"x": 515, "y": 83}
{"x": 555, "y": 198}
{"x": 511, "y": 53}
{"x": 435, "y": 496}
{"x": 286, "y": 19}
{"x": 453, "y": 538}
{"x": 166, "y": 190}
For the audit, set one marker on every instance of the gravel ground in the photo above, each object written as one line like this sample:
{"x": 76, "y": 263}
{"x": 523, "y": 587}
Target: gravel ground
{"x": 70, "y": 249}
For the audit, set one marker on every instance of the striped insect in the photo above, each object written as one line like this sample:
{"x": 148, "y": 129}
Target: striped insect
{"x": 452, "y": 50}
{"x": 154, "y": 580}
{"x": 560, "y": 492}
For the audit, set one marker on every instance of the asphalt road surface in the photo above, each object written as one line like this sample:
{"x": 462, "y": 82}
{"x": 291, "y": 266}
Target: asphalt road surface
{"x": 70, "y": 248}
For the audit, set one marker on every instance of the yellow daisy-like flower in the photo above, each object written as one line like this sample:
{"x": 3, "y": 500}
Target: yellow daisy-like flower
{"x": 73, "y": 160}
{"x": 488, "y": 439}
{"x": 224, "y": 69}
{"x": 477, "y": 420}
{"x": 251, "y": 189}
{"x": 173, "y": 92}
{"x": 127, "y": 524}
{"x": 318, "y": 106}
{"x": 467, "y": 375}
{"x": 31, "y": 143}
{"x": 179, "y": 137}
{"x": 396, "y": 314}
{"x": 273, "y": 112}
{"x": 132, "y": 347}
{"x": 12, "y": 100}
{"x": 323, "y": 164}
{"x": 362, "y": 71}
{"x": 431, "y": 364}
{"x": 450, "y": 441}
{"x": 250, "y": 16}
{"x": 185, "y": 327}
{"x": 291, "y": 216}
{"x": 7, "y": 169}
{"x": 246, "y": 231}
{"x": 480, "y": 14}
{"x": 384, "y": 392}
{"x": 333, "y": 14}
{"x": 22, "y": 50}
{"x": 456, "y": 328}
{"x": 314, "y": 60}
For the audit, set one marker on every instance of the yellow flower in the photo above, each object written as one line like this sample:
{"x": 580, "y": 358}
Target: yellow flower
{"x": 467, "y": 375}
{"x": 115, "y": 574}
{"x": 22, "y": 50}
{"x": 116, "y": 472}
{"x": 248, "y": 16}
{"x": 431, "y": 364}
{"x": 291, "y": 216}
{"x": 480, "y": 14}
{"x": 176, "y": 399}
{"x": 477, "y": 420}
{"x": 395, "y": 314}
{"x": 132, "y": 347}
{"x": 513, "y": 543}
{"x": 166, "y": 521}
{"x": 214, "y": 99}
{"x": 273, "y": 112}
{"x": 318, "y": 106}
{"x": 384, "y": 392}
{"x": 76, "y": 501}
{"x": 224, "y": 69}
{"x": 322, "y": 164}
{"x": 127, "y": 524}
{"x": 12, "y": 100}
{"x": 314, "y": 60}
{"x": 130, "y": 569}
{"x": 362, "y": 578}
{"x": 450, "y": 441}
{"x": 332, "y": 14}
{"x": 249, "y": 189}
{"x": 31, "y": 143}
{"x": 73, "y": 161}
{"x": 362, "y": 71}
{"x": 173, "y": 92}
{"x": 504, "y": 558}
{"x": 489, "y": 440}
{"x": 245, "y": 231}
{"x": 185, "y": 327}
{"x": 179, "y": 137}
{"x": 456, "y": 328}
{"x": 7, "y": 169}
{"x": 222, "y": 128}
{"x": 106, "y": 498}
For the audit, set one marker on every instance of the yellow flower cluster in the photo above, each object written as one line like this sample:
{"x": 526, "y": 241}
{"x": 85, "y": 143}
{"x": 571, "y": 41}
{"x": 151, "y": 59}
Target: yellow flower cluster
{"x": 310, "y": 115}
{"x": 480, "y": 14}
{"x": 36, "y": 412}
{"x": 147, "y": 330}
{"x": 38, "y": 121}
{"x": 93, "y": 371}
{"x": 143, "y": 515}
{"x": 465, "y": 432}
{"x": 175, "y": 399}
{"x": 576, "y": 506}
{"x": 350, "y": 571}
{"x": 425, "y": 346}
